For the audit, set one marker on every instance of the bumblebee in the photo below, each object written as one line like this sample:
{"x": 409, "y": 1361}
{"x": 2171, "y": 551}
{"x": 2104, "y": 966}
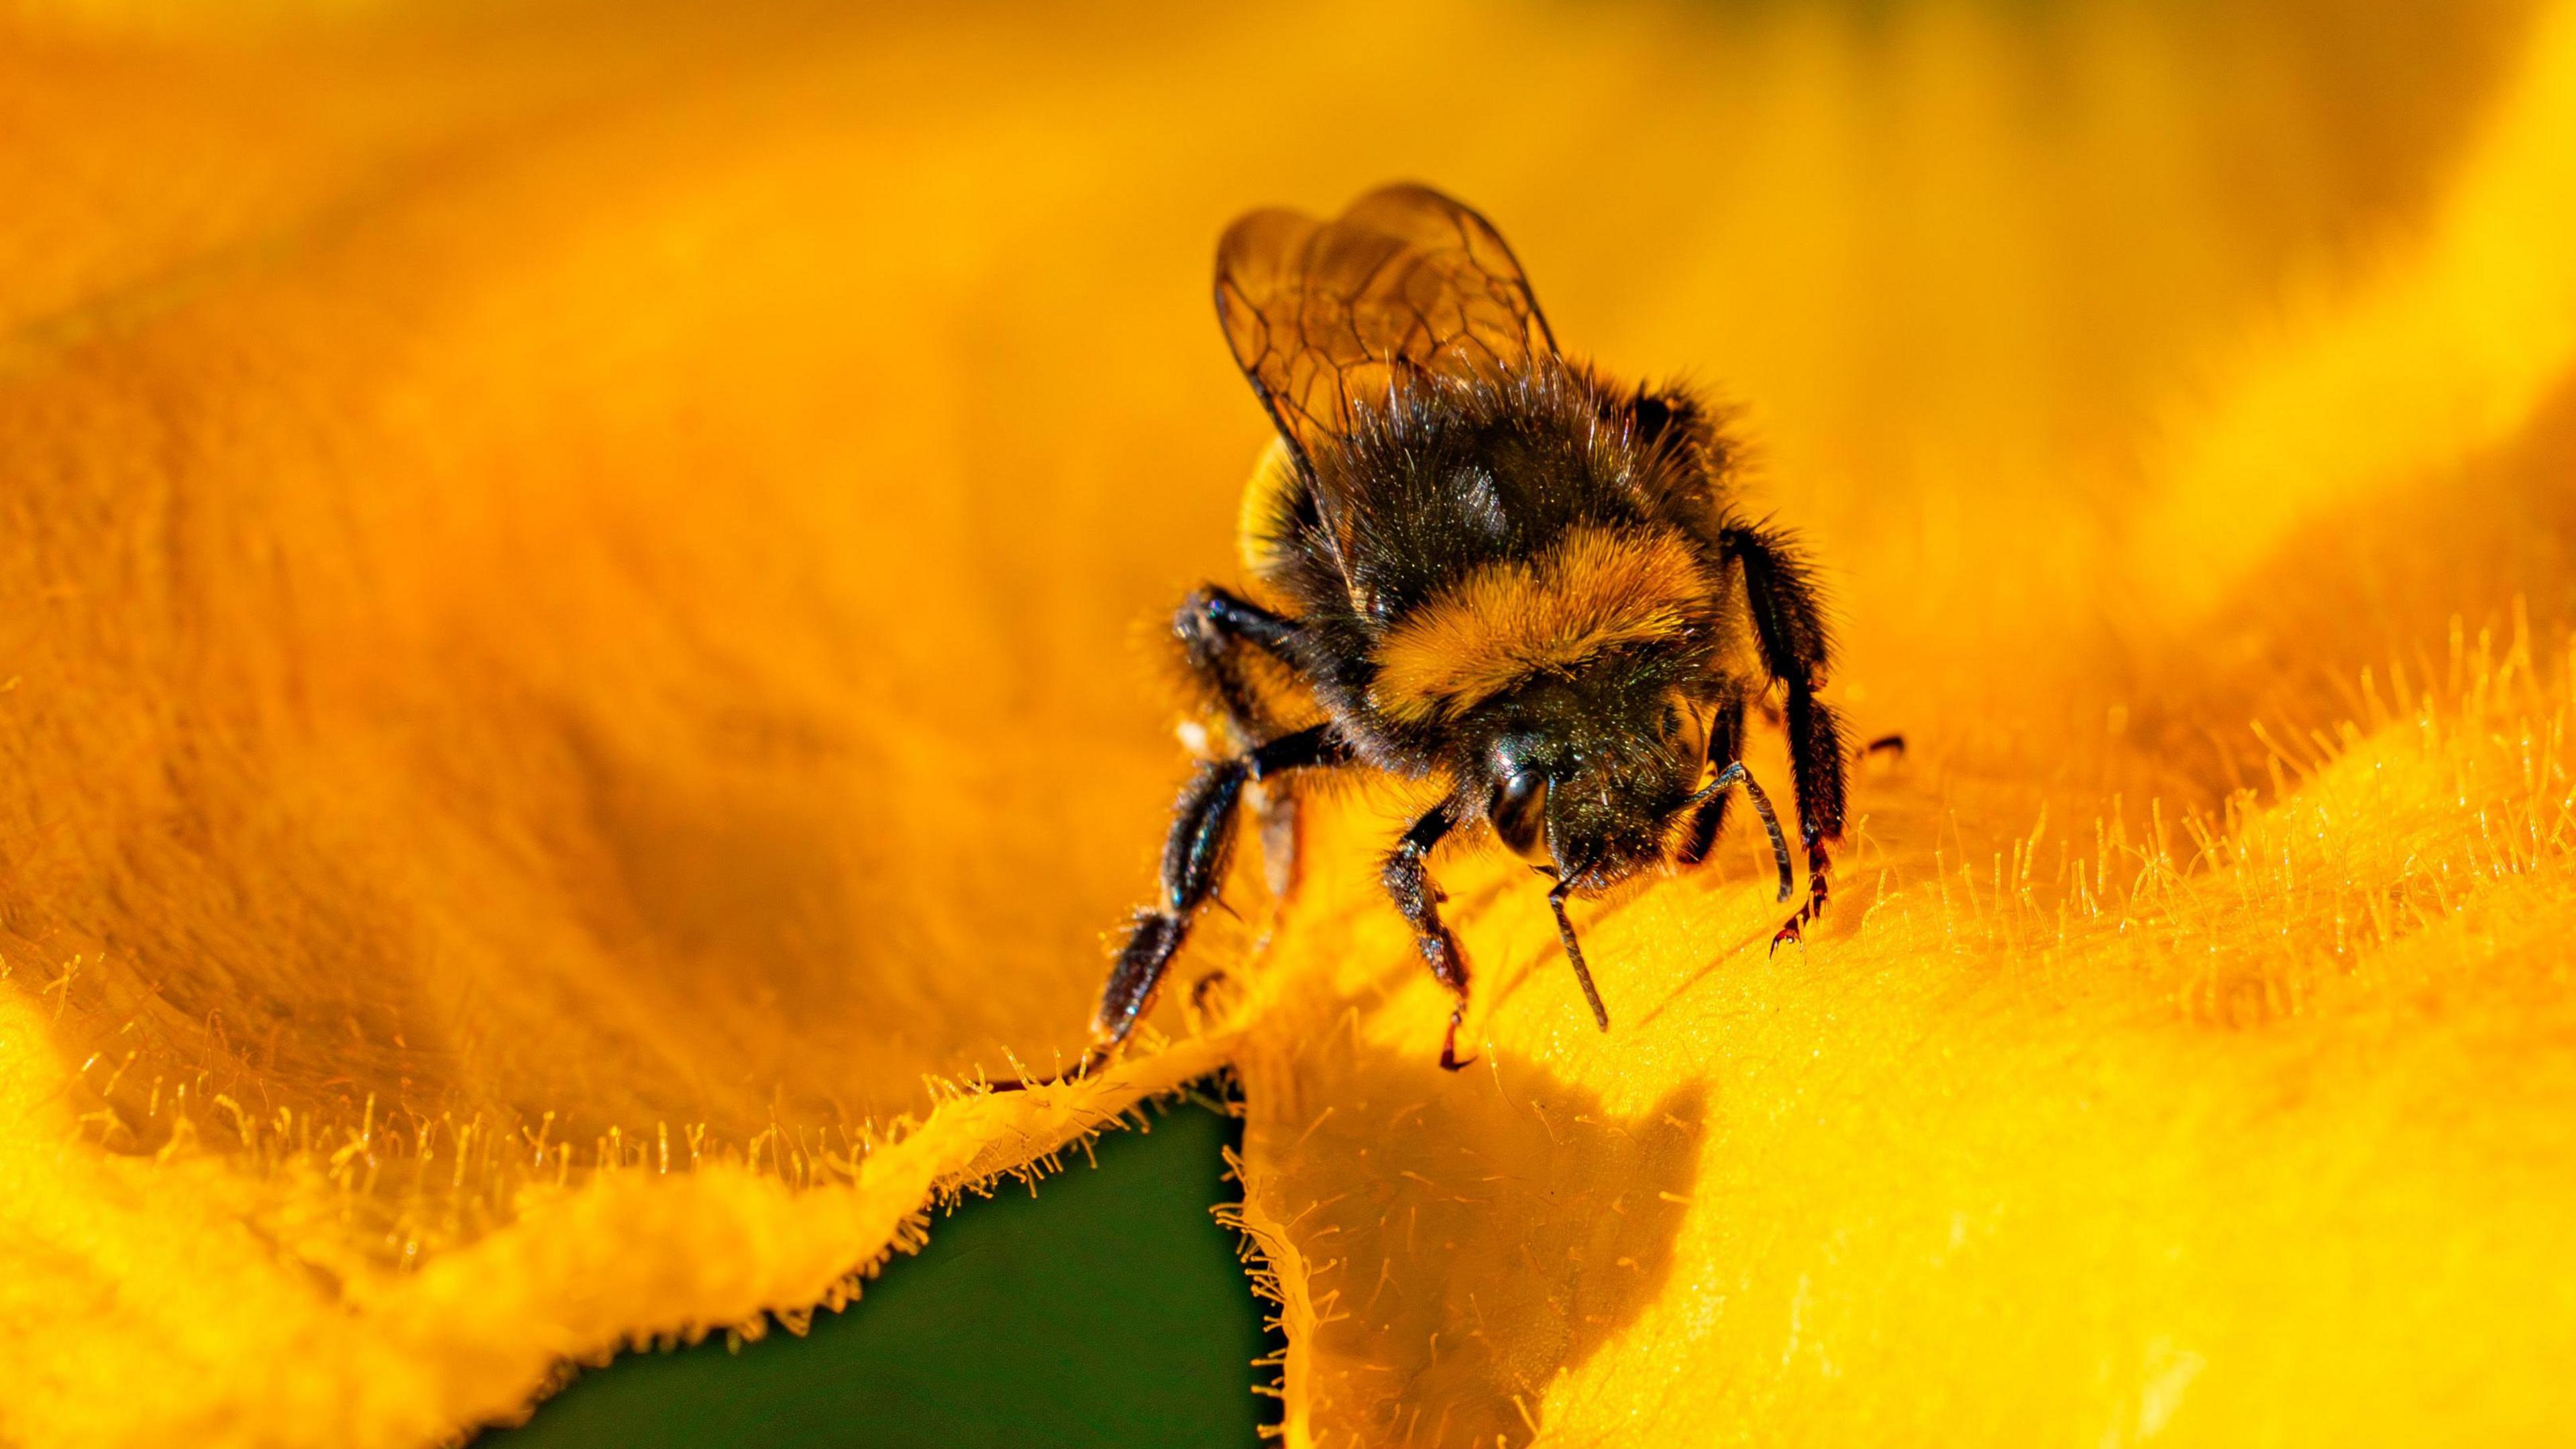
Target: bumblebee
{"x": 1490, "y": 567}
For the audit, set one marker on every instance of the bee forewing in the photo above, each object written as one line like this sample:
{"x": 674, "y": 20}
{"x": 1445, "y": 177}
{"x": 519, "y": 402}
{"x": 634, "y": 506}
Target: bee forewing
{"x": 1320, "y": 314}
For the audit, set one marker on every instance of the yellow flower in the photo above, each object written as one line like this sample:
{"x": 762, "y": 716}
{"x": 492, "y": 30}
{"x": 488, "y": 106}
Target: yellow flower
{"x": 571, "y": 580}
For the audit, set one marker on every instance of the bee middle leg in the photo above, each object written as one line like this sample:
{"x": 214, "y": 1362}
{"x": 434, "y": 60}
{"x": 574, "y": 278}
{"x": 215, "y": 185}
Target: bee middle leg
{"x": 1789, "y": 628}
{"x": 1408, "y": 880}
{"x": 1217, "y": 629}
{"x": 1210, "y": 624}
{"x": 1194, "y": 859}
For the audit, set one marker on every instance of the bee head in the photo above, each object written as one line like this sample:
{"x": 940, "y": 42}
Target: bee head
{"x": 1584, "y": 782}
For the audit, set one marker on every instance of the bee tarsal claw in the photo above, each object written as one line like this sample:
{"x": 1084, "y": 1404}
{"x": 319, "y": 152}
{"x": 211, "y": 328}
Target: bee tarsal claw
{"x": 1450, "y": 1061}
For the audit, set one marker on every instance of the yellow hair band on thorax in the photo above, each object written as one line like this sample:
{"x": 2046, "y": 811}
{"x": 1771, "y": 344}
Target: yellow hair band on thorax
{"x": 1597, "y": 588}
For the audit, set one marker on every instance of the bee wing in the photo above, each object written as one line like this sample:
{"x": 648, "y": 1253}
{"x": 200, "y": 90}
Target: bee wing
{"x": 1322, "y": 314}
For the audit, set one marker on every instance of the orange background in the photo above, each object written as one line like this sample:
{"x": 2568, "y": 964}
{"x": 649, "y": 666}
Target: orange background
{"x": 581, "y": 587}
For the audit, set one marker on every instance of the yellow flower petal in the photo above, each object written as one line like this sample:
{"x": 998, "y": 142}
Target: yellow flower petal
{"x": 2114, "y": 1102}
{"x": 571, "y": 578}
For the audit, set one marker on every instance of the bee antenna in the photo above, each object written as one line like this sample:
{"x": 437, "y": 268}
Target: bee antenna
{"x": 1736, "y": 774}
{"x": 1574, "y": 953}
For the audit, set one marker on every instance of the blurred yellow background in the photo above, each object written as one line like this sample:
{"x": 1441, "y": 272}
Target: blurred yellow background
{"x": 580, "y": 592}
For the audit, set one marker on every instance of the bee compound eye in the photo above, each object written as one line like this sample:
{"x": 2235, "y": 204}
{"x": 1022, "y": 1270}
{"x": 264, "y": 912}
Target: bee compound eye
{"x": 1518, "y": 810}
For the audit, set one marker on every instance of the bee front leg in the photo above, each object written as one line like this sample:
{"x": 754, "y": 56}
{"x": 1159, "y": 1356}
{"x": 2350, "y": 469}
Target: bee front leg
{"x": 1725, "y": 746}
{"x": 1194, "y": 859}
{"x": 1409, "y": 881}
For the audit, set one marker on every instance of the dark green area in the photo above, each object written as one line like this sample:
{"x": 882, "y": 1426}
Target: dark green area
{"x": 1107, "y": 1309}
